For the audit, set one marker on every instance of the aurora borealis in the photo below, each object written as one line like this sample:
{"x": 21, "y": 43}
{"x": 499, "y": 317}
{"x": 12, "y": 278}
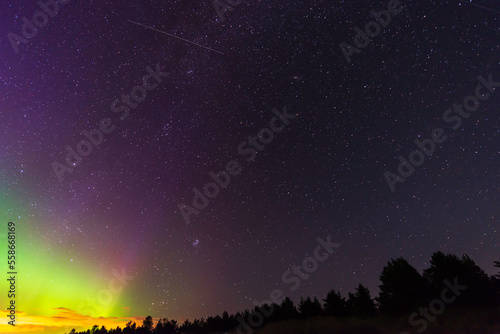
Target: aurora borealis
{"x": 103, "y": 240}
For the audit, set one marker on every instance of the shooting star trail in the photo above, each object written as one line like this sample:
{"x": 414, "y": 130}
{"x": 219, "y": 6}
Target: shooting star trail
{"x": 473, "y": 4}
{"x": 166, "y": 33}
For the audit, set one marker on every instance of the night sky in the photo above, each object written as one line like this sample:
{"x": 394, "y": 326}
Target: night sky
{"x": 118, "y": 211}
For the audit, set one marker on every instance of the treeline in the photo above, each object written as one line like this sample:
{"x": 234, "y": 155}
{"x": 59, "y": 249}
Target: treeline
{"x": 456, "y": 282}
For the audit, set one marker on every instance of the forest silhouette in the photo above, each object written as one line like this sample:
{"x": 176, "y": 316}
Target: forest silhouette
{"x": 453, "y": 295}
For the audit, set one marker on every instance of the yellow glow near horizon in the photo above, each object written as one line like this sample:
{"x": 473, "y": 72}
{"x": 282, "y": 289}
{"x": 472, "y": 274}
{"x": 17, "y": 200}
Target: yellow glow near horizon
{"x": 54, "y": 293}
{"x": 61, "y": 322}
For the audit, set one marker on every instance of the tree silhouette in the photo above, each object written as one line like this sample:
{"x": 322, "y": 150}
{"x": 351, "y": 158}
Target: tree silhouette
{"x": 186, "y": 326}
{"x": 495, "y": 281}
{"x": 147, "y": 324}
{"x": 130, "y": 328}
{"x": 403, "y": 289}
{"x": 497, "y": 265}
{"x": 288, "y": 309}
{"x": 451, "y": 268}
{"x": 102, "y": 330}
{"x": 335, "y": 305}
{"x": 164, "y": 326}
{"x": 310, "y": 308}
{"x": 361, "y": 303}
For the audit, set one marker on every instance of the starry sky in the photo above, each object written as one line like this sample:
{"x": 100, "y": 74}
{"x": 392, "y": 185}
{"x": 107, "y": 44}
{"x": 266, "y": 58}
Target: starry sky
{"x": 118, "y": 212}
